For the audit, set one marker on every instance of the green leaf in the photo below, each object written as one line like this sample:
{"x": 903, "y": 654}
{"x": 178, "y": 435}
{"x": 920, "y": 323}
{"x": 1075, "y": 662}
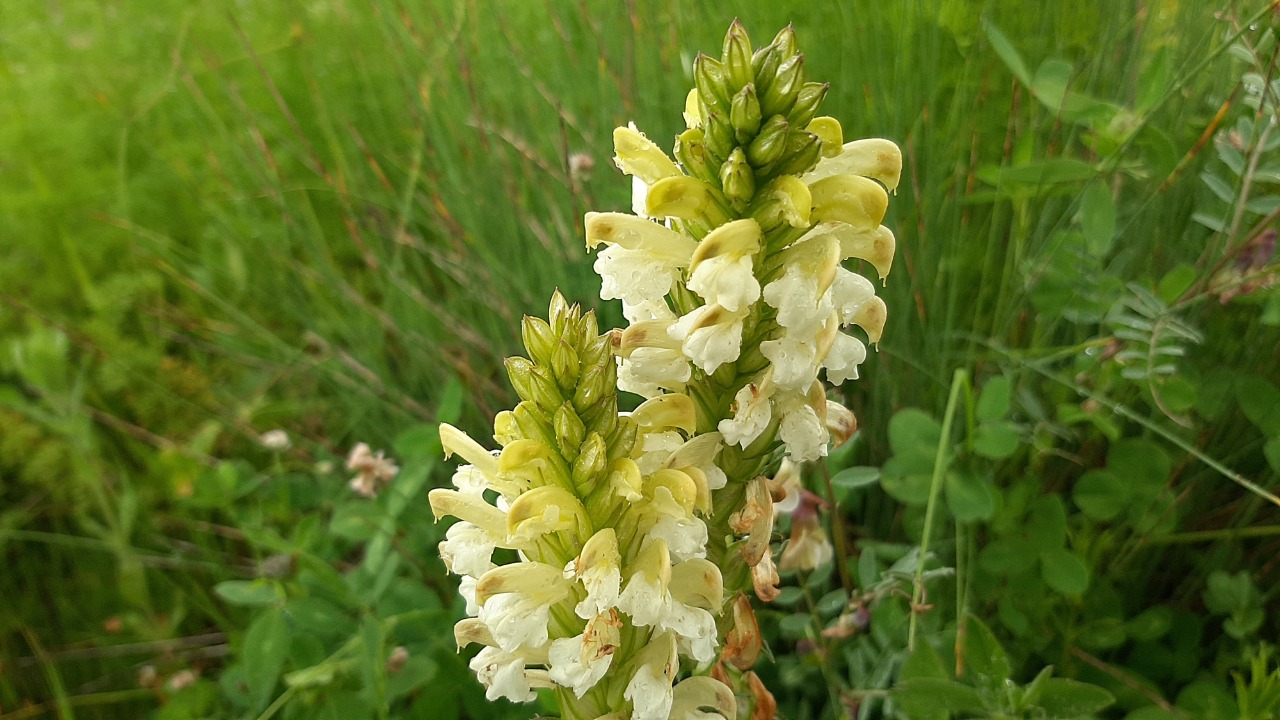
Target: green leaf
{"x": 1063, "y": 698}
{"x": 1177, "y": 393}
{"x": 997, "y": 440}
{"x": 416, "y": 673}
{"x": 449, "y": 409}
{"x": 914, "y": 432}
{"x": 359, "y": 521}
{"x": 1064, "y": 571}
{"x": 1052, "y": 171}
{"x": 1260, "y": 401}
{"x": 935, "y": 698}
{"x": 970, "y": 496}
{"x": 1229, "y": 593}
{"x": 855, "y": 478}
{"x": 983, "y": 654}
{"x": 907, "y": 479}
{"x": 1098, "y": 217}
{"x": 1150, "y": 624}
{"x": 1007, "y": 53}
{"x": 318, "y": 615}
{"x": 1141, "y": 464}
{"x": 249, "y": 592}
{"x": 1100, "y": 495}
{"x": 419, "y": 444}
{"x": 1047, "y": 523}
{"x": 993, "y": 403}
{"x": 1007, "y": 556}
{"x": 923, "y": 663}
{"x": 1175, "y": 282}
{"x": 265, "y": 645}
{"x": 1272, "y": 452}
{"x": 794, "y": 626}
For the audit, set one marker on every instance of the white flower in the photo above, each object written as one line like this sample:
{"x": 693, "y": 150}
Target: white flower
{"x": 843, "y": 359}
{"x": 467, "y": 550}
{"x": 796, "y": 297}
{"x": 275, "y": 440}
{"x": 470, "y": 480}
{"x": 503, "y": 675}
{"x": 467, "y": 589}
{"x": 598, "y": 567}
{"x": 515, "y": 602}
{"x": 645, "y": 596}
{"x": 580, "y": 661}
{"x": 686, "y": 537}
{"x": 751, "y": 415}
{"x": 795, "y": 361}
{"x": 648, "y": 371}
{"x": 803, "y": 432}
{"x": 695, "y": 630}
{"x": 710, "y": 335}
{"x": 695, "y": 693}
{"x": 721, "y": 267}
{"x": 643, "y": 258}
{"x": 649, "y": 690}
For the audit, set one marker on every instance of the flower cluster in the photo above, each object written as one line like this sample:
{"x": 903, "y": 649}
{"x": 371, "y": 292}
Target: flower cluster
{"x": 740, "y": 289}
{"x": 610, "y": 585}
{"x": 599, "y": 550}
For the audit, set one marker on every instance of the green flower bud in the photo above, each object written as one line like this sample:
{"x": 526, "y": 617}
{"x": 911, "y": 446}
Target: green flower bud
{"x": 623, "y": 439}
{"x": 564, "y": 365}
{"x": 562, "y": 315}
{"x": 785, "y": 199}
{"x": 737, "y": 56}
{"x": 590, "y": 464}
{"x": 569, "y": 431}
{"x": 744, "y": 114}
{"x": 764, "y": 63}
{"x": 588, "y": 330}
{"x": 505, "y": 428}
{"x": 829, "y": 133}
{"x": 785, "y": 41}
{"x": 710, "y": 82}
{"x": 597, "y": 414}
{"x": 853, "y": 199}
{"x": 781, "y": 94}
{"x": 719, "y": 137}
{"x": 808, "y": 100}
{"x": 520, "y": 370}
{"x": 691, "y": 151}
{"x": 533, "y": 423}
{"x": 738, "y": 180}
{"x": 593, "y": 384}
{"x": 538, "y": 338}
{"x": 770, "y": 143}
{"x": 802, "y": 153}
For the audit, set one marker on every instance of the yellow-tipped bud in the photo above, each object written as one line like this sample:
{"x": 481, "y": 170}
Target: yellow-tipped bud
{"x": 784, "y": 199}
{"x": 454, "y": 441}
{"x": 471, "y": 509}
{"x": 841, "y": 423}
{"x": 528, "y": 578}
{"x": 590, "y": 463}
{"x": 470, "y": 631}
{"x": 682, "y": 197}
{"x": 547, "y": 509}
{"x": 692, "y": 110}
{"x": 681, "y": 488}
{"x": 735, "y": 239}
{"x": 636, "y": 233}
{"x": 829, "y": 133}
{"x": 505, "y": 428}
{"x": 625, "y": 479}
{"x": 871, "y": 317}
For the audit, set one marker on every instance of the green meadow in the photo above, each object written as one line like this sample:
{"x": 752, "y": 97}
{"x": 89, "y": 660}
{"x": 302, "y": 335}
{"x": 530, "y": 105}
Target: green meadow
{"x": 327, "y": 218}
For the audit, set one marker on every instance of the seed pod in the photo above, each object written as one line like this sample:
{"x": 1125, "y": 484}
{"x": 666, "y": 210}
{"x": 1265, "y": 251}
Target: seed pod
{"x": 744, "y": 114}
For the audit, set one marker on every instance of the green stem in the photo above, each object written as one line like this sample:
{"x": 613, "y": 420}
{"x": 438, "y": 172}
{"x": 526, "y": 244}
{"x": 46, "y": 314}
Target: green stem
{"x": 959, "y": 380}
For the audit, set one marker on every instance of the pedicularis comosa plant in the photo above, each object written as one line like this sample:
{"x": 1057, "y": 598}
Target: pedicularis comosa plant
{"x": 638, "y": 536}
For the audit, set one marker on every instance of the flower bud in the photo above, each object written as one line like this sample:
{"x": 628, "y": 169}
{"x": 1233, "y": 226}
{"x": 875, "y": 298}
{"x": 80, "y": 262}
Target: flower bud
{"x": 532, "y": 461}
{"x": 764, "y": 63}
{"x": 694, "y": 693}
{"x": 677, "y": 485}
{"x": 710, "y": 82}
{"x": 871, "y": 316}
{"x": 737, "y": 179}
{"x": 604, "y": 411}
{"x": 851, "y": 199}
{"x": 785, "y": 41}
{"x": 841, "y": 423}
{"x": 569, "y": 431}
{"x": 770, "y": 143}
{"x": 691, "y": 151}
{"x": 564, "y": 366}
{"x": 454, "y": 441}
{"x": 829, "y": 133}
{"x": 533, "y": 423}
{"x": 808, "y": 100}
{"x": 697, "y": 582}
{"x": 737, "y": 56}
{"x": 590, "y": 463}
{"x": 593, "y": 384}
{"x": 622, "y": 440}
{"x": 637, "y": 155}
{"x": 803, "y": 151}
{"x": 766, "y": 707}
{"x": 471, "y": 509}
{"x": 785, "y": 199}
{"x": 781, "y": 94}
{"x": 538, "y": 337}
{"x": 561, "y": 315}
{"x": 520, "y": 370}
{"x": 743, "y": 642}
{"x": 719, "y": 137}
{"x": 744, "y": 114}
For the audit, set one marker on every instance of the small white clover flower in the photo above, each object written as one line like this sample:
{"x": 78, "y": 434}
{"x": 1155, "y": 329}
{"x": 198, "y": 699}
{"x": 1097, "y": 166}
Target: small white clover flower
{"x": 372, "y": 470}
{"x": 276, "y": 440}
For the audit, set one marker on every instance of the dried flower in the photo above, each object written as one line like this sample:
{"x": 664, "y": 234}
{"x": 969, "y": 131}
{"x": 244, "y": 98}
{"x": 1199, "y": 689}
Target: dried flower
{"x": 373, "y": 470}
